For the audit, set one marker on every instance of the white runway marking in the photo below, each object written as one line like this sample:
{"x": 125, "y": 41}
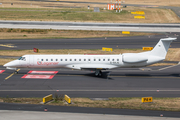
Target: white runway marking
{"x": 1, "y": 71}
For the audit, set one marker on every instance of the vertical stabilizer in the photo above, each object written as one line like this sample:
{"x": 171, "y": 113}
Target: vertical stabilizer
{"x": 162, "y": 47}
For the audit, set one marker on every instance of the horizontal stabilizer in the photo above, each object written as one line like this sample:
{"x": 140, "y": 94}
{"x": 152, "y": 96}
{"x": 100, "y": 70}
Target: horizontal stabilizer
{"x": 168, "y": 39}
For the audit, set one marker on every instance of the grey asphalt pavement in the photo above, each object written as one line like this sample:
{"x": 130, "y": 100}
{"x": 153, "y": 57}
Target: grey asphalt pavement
{"x": 135, "y": 42}
{"x": 118, "y": 83}
{"x": 91, "y": 26}
{"x": 73, "y": 111}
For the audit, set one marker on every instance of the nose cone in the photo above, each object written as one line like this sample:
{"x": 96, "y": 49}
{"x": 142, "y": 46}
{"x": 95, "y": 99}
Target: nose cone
{"x": 12, "y": 64}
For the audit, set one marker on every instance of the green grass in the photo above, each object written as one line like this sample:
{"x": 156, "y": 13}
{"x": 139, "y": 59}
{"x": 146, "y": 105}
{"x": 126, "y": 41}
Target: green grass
{"x": 88, "y": 15}
{"x": 55, "y": 34}
{"x": 120, "y": 99}
{"x": 53, "y": 15}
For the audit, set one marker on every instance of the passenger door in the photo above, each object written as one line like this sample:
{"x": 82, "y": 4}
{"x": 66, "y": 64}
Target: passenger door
{"x": 31, "y": 60}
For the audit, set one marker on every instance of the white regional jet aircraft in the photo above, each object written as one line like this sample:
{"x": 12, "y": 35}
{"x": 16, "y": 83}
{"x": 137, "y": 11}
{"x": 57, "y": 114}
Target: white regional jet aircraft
{"x": 94, "y": 62}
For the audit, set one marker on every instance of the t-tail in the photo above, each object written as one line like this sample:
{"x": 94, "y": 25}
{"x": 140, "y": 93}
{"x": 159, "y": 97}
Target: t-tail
{"x": 154, "y": 56}
{"x": 162, "y": 47}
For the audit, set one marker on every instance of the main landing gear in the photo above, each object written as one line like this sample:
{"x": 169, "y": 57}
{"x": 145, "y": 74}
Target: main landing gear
{"x": 16, "y": 72}
{"x": 98, "y": 73}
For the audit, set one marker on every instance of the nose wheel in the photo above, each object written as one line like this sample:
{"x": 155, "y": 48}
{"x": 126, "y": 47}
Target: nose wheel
{"x": 98, "y": 73}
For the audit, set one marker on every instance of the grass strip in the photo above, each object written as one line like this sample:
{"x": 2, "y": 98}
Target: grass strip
{"x": 57, "y": 34}
{"x": 162, "y": 104}
{"x": 154, "y": 15}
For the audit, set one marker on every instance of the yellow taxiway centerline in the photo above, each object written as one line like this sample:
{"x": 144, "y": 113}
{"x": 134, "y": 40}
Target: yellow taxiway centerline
{"x": 10, "y": 46}
{"x": 11, "y": 75}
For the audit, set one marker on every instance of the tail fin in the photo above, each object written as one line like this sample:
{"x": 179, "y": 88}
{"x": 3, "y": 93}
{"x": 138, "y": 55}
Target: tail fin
{"x": 162, "y": 47}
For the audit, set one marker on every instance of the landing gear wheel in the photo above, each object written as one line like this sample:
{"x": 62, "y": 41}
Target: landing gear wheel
{"x": 15, "y": 72}
{"x": 98, "y": 73}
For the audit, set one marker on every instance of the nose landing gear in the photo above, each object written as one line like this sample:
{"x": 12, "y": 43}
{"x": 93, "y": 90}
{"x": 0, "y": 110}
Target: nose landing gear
{"x": 16, "y": 72}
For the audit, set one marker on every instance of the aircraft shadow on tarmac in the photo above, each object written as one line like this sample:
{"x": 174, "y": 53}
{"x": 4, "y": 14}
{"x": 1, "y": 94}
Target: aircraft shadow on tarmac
{"x": 109, "y": 74}
{"x": 105, "y": 75}
{"x": 150, "y": 75}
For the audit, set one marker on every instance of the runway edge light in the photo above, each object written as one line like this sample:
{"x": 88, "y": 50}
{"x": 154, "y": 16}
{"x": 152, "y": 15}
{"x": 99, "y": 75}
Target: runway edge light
{"x": 147, "y": 99}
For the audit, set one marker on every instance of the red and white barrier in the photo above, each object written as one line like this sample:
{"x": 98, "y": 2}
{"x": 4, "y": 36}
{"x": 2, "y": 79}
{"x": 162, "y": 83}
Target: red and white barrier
{"x": 115, "y": 6}
{"x": 110, "y": 6}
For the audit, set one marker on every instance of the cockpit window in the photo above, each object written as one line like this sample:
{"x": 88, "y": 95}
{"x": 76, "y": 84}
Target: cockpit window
{"x": 22, "y": 58}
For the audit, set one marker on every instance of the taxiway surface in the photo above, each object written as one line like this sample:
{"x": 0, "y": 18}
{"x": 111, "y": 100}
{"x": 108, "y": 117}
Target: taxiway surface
{"x": 114, "y": 83}
{"x": 25, "y": 111}
{"x": 89, "y": 43}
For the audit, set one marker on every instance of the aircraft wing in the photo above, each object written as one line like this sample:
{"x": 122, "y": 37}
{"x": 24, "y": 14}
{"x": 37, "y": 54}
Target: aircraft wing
{"x": 91, "y": 67}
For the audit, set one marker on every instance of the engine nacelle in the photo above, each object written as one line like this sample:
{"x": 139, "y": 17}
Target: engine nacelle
{"x": 133, "y": 58}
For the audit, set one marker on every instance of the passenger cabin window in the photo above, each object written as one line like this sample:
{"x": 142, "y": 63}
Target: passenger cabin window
{"x": 61, "y": 59}
{"x": 56, "y": 59}
{"x": 70, "y": 59}
{"x": 99, "y": 59}
{"x": 108, "y": 59}
{"x": 117, "y": 59}
{"x": 112, "y": 59}
{"x": 65, "y": 59}
{"x": 89, "y": 59}
{"x": 74, "y": 59}
{"x": 46, "y": 59}
{"x": 51, "y": 59}
{"x": 41, "y": 59}
{"x": 84, "y": 59}
{"x": 103, "y": 59}
{"x": 94, "y": 59}
{"x": 79, "y": 59}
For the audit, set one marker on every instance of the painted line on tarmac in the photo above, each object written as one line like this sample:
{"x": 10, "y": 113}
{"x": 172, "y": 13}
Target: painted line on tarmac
{"x": 92, "y": 90}
{"x": 11, "y": 75}
{"x": 38, "y": 76}
{"x": 169, "y": 67}
{"x": 10, "y": 46}
{"x": 1, "y": 71}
